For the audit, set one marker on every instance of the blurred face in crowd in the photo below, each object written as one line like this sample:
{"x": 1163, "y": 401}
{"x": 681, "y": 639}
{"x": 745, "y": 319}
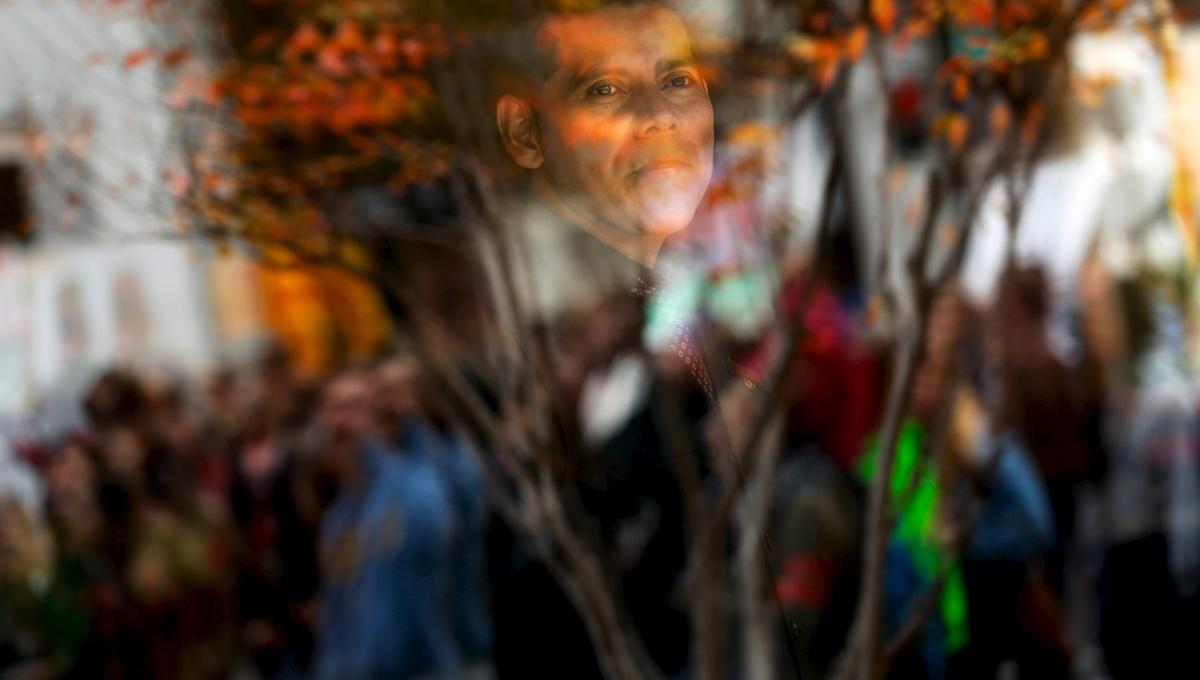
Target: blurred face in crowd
{"x": 395, "y": 393}
{"x": 935, "y": 375}
{"x": 346, "y": 410}
{"x": 620, "y": 135}
{"x": 70, "y": 485}
{"x": 124, "y": 455}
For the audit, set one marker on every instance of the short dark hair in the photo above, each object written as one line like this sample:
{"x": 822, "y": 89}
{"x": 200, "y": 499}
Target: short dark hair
{"x": 516, "y": 56}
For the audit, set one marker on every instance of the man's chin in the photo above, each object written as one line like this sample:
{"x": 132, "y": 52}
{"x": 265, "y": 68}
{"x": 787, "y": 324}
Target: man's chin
{"x": 664, "y": 229}
{"x": 667, "y": 209}
{"x": 665, "y": 220}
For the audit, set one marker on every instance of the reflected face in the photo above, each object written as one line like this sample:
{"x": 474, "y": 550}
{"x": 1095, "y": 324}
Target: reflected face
{"x": 624, "y": 120}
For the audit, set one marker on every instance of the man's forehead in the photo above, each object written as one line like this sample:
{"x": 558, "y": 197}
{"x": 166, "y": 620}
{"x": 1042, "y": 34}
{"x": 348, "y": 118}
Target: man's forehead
{"x": 614, "y": 36}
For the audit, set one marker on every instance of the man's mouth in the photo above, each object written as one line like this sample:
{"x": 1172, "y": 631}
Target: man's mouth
{"x": 659, "y": 165}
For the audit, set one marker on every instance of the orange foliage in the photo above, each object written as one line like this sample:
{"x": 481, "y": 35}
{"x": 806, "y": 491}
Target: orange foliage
{"x": 175, "y": 57}
{"x": 136, "y": 57}
{"x": 856, "y": 42}
{"x": 883, "y": 13}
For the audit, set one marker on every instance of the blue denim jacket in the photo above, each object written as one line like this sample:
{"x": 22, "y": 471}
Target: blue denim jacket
{"x": 469, "y": 605}
{"x": 385, "y": 552}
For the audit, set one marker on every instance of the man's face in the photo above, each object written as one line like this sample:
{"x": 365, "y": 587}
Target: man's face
{"x": 625, "y": 122}
{"x": 395, "y": 394}
{"x": 346, "y": 410}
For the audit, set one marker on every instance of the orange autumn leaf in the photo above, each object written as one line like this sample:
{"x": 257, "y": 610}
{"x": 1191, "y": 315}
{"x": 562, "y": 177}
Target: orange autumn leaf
{"x": 415, "y": 53}
{"x": 826, "y": 73}
{"x": 386, "y": 49}
{"x": 1090, "y": 14}
{"x": 856, "y": 42}
{"x": 306, "y": 40}
{"x": 349, "y": 37}
{"x": 263, "y": 42}
{"x": 137, "y": 57}
{"x": 826, "y": 51}
{"x": 1000, "y": 118}
{"x": 175, "y": 57}
{"x": 333, "y": 60}
{"x": 802, "y": 48}
{"x": 1033, "y": 122}
{"x": 1037, "y": 47}
{"x": 981, "y": 12}
{"x": 961, "y": 87}
{"x": 36, "y": 145}
{"x": 956, "y": 131}
{"x": 883, "y": 13}
{"x": 914, "y": 30}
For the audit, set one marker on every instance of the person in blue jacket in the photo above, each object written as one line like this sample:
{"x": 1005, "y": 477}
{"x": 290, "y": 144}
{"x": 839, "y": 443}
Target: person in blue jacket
{"x": 412, "y": 422}
{"x": 385, "y": 548}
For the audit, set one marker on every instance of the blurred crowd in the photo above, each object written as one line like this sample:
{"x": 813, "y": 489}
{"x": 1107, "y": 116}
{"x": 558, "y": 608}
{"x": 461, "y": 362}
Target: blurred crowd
{"x": 1046, "y": 504}
{"x": 261, "y": 526}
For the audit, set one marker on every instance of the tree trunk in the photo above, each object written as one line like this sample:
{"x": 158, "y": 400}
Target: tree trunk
{"x": 752, "y": 575}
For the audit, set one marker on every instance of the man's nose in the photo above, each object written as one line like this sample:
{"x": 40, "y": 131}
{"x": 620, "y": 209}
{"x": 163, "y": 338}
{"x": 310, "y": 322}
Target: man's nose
{"x": 654, "y": 113}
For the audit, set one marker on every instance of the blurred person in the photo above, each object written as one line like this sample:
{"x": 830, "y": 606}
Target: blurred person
{"x": 116, "y": 398}
{"x": 223, "y": 400}
{"x": 199, "y": 462}
{"x": 26, "y": 564}
{"x": 608, "y": 123}
{"x": 87, "y": 614}
{"x": 26, "y": 554}
{"x": 998, "y": 442}
{"x": 18, "y": 480}
{"x": 384, "y": 546}
{"x": 919, "y": 547}
{"x": 627, "y": 479}
{"x": 1151, "y": 565}
{"x": 277, "y": 566}
{"x": 411, "y": 419}
{"x": 829, "y": 393}
{"x": 934, "y": 518}
{"x": 171, "y": 555}
{"x": 1048, "y": 404}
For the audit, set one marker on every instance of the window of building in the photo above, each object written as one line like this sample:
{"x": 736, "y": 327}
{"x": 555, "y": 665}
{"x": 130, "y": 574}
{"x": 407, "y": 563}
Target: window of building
{"x": 16, "y": 222}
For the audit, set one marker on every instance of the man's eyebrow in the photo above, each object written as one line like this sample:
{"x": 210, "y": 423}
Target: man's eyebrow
{"x": 576, "y": 79}
{"x": 671, "y": 64}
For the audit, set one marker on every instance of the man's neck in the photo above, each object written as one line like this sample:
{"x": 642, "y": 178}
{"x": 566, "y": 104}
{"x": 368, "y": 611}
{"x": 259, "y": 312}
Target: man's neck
{"x": 640, "y": 248}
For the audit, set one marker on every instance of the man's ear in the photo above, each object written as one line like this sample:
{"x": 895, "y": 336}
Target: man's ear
{"x": 514, "y": 117}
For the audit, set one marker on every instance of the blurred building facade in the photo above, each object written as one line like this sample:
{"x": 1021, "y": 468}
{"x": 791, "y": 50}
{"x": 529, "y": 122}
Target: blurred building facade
{"x": 93, "y": 134}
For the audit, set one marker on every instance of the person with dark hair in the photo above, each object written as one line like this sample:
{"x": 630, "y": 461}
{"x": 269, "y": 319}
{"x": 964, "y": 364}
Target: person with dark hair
{"x": 412, "y": 424}
{"x": 277, "y": 569}
{"x": 616, "y": 128}
{"x": 1149, "y": 584}
{"x": 606, "y": 120}
{"x": 115, "y": 398}
{"x": 384, "y": 545}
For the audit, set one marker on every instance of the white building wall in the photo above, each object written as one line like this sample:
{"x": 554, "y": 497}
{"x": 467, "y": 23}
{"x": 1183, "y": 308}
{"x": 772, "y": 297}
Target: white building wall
{"x": 63, "y": 72}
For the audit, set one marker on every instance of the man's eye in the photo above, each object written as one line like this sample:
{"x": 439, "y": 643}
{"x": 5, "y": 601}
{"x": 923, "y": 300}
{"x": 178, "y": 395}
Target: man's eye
{"x": 601, "y": 90}
{"x": 680, "y": 81}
